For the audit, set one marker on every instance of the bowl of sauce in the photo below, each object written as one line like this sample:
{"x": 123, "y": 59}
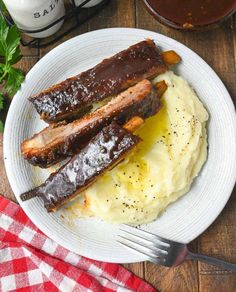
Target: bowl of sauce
{"x": 191, "y": 14}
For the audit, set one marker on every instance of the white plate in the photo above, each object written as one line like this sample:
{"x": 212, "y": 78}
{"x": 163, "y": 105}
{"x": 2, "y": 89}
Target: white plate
{"x": 184, "y": 220}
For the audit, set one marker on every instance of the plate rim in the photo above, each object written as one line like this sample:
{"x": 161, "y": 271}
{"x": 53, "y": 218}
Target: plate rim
{"x": 47, "y": 56}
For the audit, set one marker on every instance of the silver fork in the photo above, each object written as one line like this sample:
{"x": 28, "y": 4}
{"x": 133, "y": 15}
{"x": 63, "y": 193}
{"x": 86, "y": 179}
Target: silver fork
{"x": 163, "y": 251}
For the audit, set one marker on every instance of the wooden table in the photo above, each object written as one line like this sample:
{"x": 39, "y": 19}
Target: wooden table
{"x": 218, "y": 49}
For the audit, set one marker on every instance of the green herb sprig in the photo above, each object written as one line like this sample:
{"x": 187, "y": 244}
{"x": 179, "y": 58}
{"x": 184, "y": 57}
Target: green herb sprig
{"x": 10, "y": 77}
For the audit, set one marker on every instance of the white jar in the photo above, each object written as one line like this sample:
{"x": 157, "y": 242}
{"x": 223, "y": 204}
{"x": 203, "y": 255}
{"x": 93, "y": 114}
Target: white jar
{"x": 90, "y": 4}
{"x": 36, "y": 14}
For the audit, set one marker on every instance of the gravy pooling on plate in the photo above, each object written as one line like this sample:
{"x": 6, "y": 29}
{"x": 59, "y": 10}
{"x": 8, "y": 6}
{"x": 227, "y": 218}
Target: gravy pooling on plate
{"x": 173, "y": 150}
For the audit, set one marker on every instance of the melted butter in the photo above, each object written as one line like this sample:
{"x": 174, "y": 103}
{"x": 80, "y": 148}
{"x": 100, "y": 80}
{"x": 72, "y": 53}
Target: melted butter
{"x": 131, "y": 171}
{"x": 154, "y": 129}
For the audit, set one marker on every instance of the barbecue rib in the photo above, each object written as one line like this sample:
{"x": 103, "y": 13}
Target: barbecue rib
{"x": 74, "y": 96}
{"x": 59, "y": 141}
{"x": 102, "y": 153}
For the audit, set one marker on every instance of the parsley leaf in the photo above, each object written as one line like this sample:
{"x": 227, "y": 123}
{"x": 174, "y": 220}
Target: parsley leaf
{"x": 9, "y": 43}
{"x": 10, "y": 77}
{"x": 1, "y": 127}
{"x": 16, "y": 56}
{"x": 12, "y": 42}
{"x": 1, "y": 101}
{"x": 3, "y": 8}
{"x": 14, "y": 80}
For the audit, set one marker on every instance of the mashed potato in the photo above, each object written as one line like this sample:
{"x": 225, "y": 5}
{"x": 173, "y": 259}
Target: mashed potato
{"x": 162, "y": 168}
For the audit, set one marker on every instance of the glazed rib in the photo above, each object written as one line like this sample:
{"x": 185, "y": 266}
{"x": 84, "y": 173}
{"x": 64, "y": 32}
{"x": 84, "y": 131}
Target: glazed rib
{"x": 75, "y": 95}
{"x": 57, "y": 142}
{"x": 103, "y": 152}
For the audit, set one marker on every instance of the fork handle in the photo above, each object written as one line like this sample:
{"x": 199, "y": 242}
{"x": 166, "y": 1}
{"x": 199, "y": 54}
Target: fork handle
{"x": 212, "y": 261}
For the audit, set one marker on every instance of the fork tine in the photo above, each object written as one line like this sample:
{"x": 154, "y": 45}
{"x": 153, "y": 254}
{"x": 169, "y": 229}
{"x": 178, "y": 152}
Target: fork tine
{"x": 159, "y": 246}
{"x": 150, "y": 258}
{"x": 151, "y": 235}
{"x": 155, "y": 252}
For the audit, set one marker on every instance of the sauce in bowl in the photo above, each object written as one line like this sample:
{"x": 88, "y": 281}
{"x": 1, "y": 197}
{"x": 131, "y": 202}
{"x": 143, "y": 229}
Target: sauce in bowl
{"x": 190, "y": 14}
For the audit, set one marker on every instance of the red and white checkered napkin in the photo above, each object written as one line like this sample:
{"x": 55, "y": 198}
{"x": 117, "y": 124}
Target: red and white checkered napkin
{"x": 30, "y": 261}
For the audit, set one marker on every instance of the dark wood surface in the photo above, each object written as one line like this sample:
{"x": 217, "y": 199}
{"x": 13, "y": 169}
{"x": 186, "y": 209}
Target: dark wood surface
{"x": 218, "y": 48}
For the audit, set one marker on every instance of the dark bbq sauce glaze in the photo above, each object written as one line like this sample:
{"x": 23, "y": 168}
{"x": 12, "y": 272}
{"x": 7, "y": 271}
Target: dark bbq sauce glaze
{"x": 192, "y": 12}
{"x": 111, "y": 76}
{"x": 103, "y": 152}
